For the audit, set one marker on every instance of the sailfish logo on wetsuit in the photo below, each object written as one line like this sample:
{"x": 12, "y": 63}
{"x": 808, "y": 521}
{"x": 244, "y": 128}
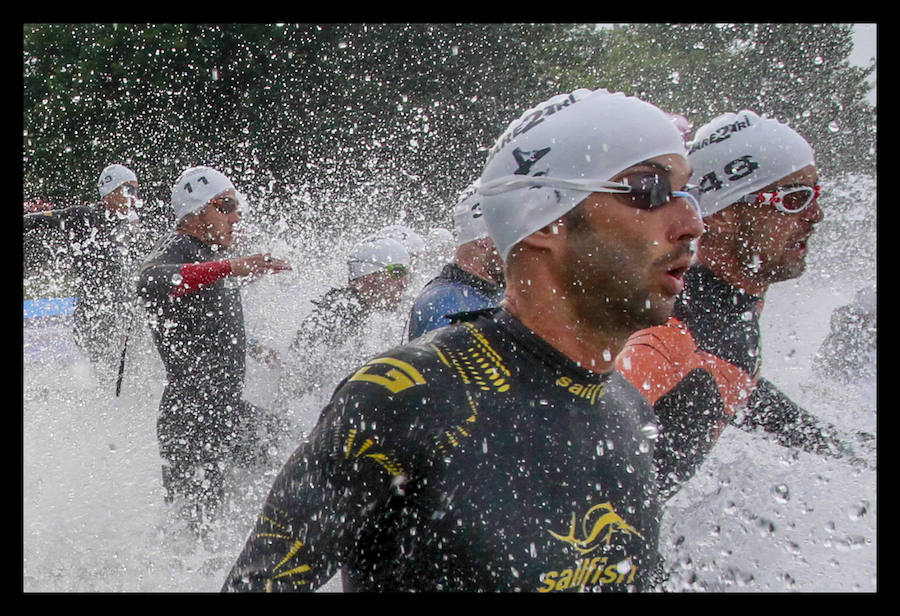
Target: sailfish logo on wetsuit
{"x": 598, "y": 519}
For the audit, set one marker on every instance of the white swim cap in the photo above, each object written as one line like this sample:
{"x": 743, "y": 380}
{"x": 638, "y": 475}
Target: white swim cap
{"x": 468, "y": 217}
{"x": 411, "y": 241}
{"x": 739, "y": 153}
{"x": 373, "y": 255}
{"x": 114, "y": 176}
{"x": 541, "y": 166}
{"x": 683, "y": 125}
{"x": 439, "y": 236}
{"x": 195, "y": 188}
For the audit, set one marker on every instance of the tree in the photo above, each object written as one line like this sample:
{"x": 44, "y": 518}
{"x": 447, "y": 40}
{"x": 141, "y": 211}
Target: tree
{"x": 378, "y": 117}
{"x": 798, "y": 73}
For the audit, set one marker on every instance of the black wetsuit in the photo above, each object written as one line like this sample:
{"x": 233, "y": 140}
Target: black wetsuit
{"x": 199, "y": 332}
{"x": 338, "y": 315}
{"x": 476, "y": 458}
{"x": 701, "y": 371}
{"x": 103, "y": 251}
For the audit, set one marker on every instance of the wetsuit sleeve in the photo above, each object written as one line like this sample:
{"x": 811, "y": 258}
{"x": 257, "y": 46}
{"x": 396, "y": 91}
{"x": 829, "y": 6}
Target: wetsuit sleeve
{"x": 690, "y": 416}
{"x": 770, "y": 409}
{"x": 197, "y": 275}
{"x": 158, "y": 279}
{"x": 692, "y": 393}
{"x": 319, "y": 504}
{"x": 53, "y": 219}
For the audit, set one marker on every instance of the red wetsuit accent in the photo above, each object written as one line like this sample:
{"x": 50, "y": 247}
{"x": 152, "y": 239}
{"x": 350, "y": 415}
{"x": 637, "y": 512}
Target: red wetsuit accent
{"x": 196, "y": 275}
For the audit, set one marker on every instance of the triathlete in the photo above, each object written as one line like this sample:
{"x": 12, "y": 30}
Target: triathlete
{"x": 104, "y": 250}
{"x": 473, "y": 280}
{"x": 378, "y": 273}
{"x": 196, "y": 320}
{"x": 504, "y": 453}
{"x": 701, "y": 370}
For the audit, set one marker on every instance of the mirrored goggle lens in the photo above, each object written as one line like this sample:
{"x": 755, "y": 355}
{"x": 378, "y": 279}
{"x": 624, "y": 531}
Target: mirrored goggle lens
{"x": 396, "y": 270}
{"x": 226, "y": 205}
{"x": 648, "y": 190}
{"x": 131, "y": 191}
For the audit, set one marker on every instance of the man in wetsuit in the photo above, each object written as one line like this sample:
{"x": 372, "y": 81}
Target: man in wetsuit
{"x": 196, "y": 320}
{"x": 503, "y": 452}
{"x": 104, "y": 248}
{"x": 473, "y": 280}
{"x": 701, "y": 369}
{"x": 378, "y": 272}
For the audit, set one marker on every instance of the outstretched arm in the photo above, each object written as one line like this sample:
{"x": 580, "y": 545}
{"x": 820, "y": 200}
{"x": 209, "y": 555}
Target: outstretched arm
{"x": 770, "y": 409}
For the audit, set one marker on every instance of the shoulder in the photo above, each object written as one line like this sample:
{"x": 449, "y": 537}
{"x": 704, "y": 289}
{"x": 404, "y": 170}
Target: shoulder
{"x": 175, "y": 247}
{"x": 655, "y": 359}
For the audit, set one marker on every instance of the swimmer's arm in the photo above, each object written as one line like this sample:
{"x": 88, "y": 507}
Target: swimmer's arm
{"x": 770, "y": 409}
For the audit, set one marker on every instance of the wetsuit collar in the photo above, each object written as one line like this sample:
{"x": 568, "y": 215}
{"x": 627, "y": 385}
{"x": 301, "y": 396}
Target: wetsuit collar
{"x": 541, "y": 348}
{"x": 454, "y": 273}
{"x": 701, "y": 279}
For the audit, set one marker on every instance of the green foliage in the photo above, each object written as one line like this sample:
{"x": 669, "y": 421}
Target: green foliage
{"x": 797, "y": 73}
{"x": 351, "y": 122}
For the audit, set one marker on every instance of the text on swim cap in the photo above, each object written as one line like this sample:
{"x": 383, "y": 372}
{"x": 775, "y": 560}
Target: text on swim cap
{"x": 190, "y": 189}
{"x": 530, "y": 121}
{"x": 739, "y": 168}
{"x": 721, "y": 134}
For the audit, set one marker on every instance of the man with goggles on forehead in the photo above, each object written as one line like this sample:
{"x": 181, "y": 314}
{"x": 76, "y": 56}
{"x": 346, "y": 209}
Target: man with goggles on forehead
{"x": 197, "y": 323}
{"x": 105, "y": 248}
{"x": 503, "y": 452}
{"x": 759, "y": 198}
{"x": 378, "y": 272}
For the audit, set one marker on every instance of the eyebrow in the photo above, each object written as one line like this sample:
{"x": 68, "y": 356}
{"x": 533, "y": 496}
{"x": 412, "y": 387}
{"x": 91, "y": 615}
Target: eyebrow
{"x": 653, "y": 163}
{"x": 794, "y": 185}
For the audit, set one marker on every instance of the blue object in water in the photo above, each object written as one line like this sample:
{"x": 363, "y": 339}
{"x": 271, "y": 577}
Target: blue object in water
{"x": 50, "y": 307}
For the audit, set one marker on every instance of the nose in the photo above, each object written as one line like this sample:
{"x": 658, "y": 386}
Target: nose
{"x": 686, "y": 224}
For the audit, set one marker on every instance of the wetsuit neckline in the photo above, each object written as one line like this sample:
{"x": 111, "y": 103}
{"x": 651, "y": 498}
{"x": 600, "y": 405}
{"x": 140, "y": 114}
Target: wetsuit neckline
{"x": 701, "y": 277}
{"x": 454, "y": 273}
{"x": 543, "y": 349}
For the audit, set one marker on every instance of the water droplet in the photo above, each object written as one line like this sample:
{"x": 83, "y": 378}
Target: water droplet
{"x": 833, "y": 126}
{"x": 650, "y": 431}
{"x": 858, "y": 510}
{"x": 781, "y": 493}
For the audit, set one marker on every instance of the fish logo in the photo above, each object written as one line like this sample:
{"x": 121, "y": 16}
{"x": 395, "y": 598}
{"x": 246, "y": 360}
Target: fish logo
{"x": 599, "y": 520}
{"x": 526, "y": 160}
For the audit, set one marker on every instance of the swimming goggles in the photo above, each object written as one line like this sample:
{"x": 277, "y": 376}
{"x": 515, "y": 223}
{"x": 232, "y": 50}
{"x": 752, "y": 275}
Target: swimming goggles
{"x": 226, "y": 205}
{"x": 641, "y": 190}
{"x": 396, "y": 270}
{"x": 788, "y": 200}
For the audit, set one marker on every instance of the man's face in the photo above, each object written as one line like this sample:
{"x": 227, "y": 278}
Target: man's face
{"x": 122, "y": 198}
{"x": 772, "y": 245}
{"x": 218, "y": 217}
{"x": 384, "y": 288}
{"x": 624, "y": 265}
